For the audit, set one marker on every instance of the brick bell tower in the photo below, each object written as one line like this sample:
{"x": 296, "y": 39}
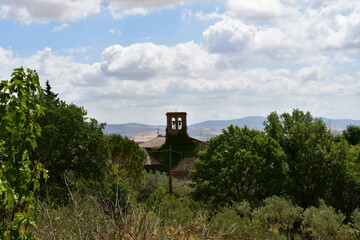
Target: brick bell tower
{"x": 176, "y": 121}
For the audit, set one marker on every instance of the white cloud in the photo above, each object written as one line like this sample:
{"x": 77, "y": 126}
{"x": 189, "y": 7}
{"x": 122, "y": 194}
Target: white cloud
{"x": 144, "y": 61}
{"x": 45, "y": 11}
{"x": 8, "y": 61}
{"x": 203, "y": 16}
{"x": 119, "y": 8}
{"x": 72, "y": 10}
{"x": 186, "y": 77}
{"x": 61, "y": 27}
{"x": 290, "y": 54}
{"x": 308, "y": 74}
{"x": 260, "y": 9}
{"x": 76, "y": 50}
{"x": 228, "y": 36}
{"x": 114, "y": 31}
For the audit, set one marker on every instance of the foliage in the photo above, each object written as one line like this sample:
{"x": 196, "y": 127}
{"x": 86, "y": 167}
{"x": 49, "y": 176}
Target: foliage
{"x": 325, "y": 223}
{"x": 343, "y": 183}
{"x": 181, "y": 145}
{"x": 279, "y": 213}
{"x": 116, "y": 194}
{"x": 352, "y": 134}
{"x": 156, "y": 198}
{"x": 19, "y": 173}
{"x": 316, "y": 164}
{"x": 70, "y": 142}
{"x": 181, "y": 218}
{"x": 228, "y": 224}
{"x": 240, "y": 164}
{"x": 356, "y": 222}
{"x": 128, "y": 159}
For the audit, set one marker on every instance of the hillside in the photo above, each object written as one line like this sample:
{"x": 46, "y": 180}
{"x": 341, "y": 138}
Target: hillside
{"x": 206, "y": 130}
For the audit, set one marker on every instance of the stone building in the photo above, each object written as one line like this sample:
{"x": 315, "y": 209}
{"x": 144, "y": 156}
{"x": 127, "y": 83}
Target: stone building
{"x": 176, "y": 124}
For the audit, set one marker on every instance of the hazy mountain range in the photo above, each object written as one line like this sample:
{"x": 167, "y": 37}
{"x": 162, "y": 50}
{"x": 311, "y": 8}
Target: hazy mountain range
{"x": 206, "y": 130}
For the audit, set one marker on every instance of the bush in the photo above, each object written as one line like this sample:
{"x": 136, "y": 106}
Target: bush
{"x": 178, "y": 211}
{"x": 156, "y": 198}
{"x": 156, "y": 179}
{"x": 356, "y": 222}
{"x": 279, "y": 214}
{"x": 325, "y": 223}
{"x": 226, "y": 223}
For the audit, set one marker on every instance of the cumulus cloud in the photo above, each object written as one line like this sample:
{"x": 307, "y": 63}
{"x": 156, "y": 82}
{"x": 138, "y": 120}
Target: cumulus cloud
{"x": 45, "y": 11}
{"x": 186, "y": 77}
{"x": 258, "y": 57}
{"x": 260, "y": 9}
{"x": 144, "y": 61}
{"x": 239, "y": 42}
{"x": 308, "y": 74}
{"x": 119, "y": 8}
{"x": 70, "y": 10}
{"x": 8, "y": 61}
{"x": 309, "y": 29}
{"x": 228, "y": 36}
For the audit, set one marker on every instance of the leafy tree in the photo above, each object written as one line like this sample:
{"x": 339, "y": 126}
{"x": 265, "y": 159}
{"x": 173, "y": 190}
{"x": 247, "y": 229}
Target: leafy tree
{"x": 345, "y": 179}
{"x": 71, "y": 144}
{"x": 316, "y": 163}
{"x": 352, "y": 134}
{"x": 20, "y": 105}
{"x": 240, "y": 164}
{"x": 50, "y": 95}
{"x": 128, "y": 158}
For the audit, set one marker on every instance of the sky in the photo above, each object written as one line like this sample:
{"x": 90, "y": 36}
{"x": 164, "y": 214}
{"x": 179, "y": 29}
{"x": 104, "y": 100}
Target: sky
{"x": 134, "y": 60}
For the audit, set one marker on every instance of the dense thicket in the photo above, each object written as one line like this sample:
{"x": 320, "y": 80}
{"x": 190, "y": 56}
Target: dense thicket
{"x": 352, "y": 134}
{"x": 239, "y": 164}
{"x": 296, "y": 156}
{"x": 71, "y": 145}
{"x": 318, "y": 166}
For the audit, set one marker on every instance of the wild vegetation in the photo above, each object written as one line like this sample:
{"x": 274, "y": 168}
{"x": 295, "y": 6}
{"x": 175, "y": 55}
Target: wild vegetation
{"x": 62, "y": 178}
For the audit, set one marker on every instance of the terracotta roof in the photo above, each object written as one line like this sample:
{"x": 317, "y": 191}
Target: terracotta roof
{"x": 154, "y": 143}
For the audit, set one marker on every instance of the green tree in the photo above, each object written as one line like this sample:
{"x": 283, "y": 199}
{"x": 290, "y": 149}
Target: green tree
{"x": 240, "y": 164}
{"x": 344, "y": 193}
{"x": 128, "y": 158}
{"x": 20, "y": 105}
{"x": 71, "y": 144}
{"x": 316, "y": 163}
{"x": 352, "y": 134}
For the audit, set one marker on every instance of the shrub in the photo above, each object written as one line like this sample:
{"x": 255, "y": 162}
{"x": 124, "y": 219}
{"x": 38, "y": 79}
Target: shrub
{"x": 278, "y": 214}
{"x": 155, "y": 199}
{"x": 325, "y": 223}
{"x": 226, "y": 223}
{"x": 178, "y": 211}
{"x": 356, "y": 222}
{"x": 156, "y": 179}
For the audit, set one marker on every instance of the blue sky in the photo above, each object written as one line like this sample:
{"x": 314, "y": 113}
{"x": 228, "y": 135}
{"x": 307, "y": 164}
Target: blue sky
{"x": 133, "y": 61}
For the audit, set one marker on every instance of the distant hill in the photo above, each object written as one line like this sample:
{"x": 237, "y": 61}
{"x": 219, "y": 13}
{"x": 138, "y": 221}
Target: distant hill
{"x": 339, "y": 124}
{"x": 134, "y": 130}
{"x": 206, "y": 130}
